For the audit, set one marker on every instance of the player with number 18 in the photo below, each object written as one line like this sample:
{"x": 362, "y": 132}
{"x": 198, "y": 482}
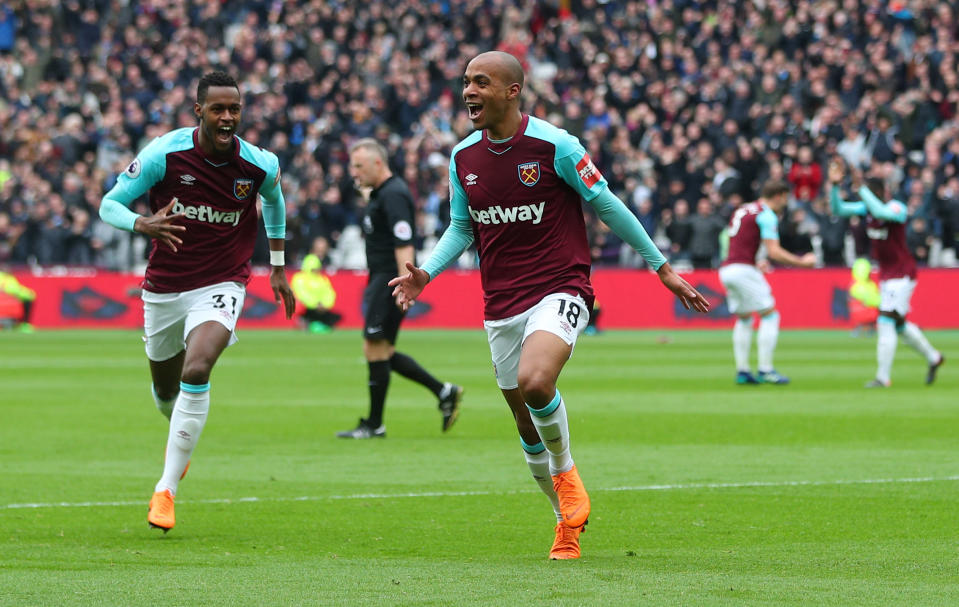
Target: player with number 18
{"x": 516, "y": 187}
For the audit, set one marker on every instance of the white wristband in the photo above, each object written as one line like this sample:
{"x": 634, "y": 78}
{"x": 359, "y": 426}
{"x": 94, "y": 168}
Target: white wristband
{"x": 277, "y": 258}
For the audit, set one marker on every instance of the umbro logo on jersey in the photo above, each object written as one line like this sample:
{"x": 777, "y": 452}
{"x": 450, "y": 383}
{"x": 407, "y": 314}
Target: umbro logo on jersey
{"x": 471, "y": 179}
{"x": 187, "y": 179}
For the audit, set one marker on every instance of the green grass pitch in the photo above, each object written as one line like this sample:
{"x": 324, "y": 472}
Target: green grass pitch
{"x": 704, "y": 492}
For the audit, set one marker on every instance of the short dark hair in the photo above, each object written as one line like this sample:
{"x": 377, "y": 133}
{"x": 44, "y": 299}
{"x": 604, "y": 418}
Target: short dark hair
{"x": 877, "y": 185}
{"x": 776, "y": 187}
{"x": 217, "y": 78}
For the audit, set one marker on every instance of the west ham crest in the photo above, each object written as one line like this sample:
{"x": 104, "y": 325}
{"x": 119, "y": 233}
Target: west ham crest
{"x": 528, "y": 173}
{"x": 242, "y": 188}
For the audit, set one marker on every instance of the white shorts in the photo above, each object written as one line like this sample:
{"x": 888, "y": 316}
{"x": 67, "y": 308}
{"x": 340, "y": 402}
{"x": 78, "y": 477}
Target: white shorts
{"x": 169, "y": 317}
{"x": 561, "y": 314}
{"x": 895, "y": 295}
{"x": 746, "y": 289}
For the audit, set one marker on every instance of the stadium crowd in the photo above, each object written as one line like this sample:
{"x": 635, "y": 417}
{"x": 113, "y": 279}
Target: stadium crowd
{"x": 686, "y": 107}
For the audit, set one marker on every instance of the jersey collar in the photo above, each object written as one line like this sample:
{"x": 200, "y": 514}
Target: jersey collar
{"x": 217, "y": 162}
{"x": 503, "y": 146}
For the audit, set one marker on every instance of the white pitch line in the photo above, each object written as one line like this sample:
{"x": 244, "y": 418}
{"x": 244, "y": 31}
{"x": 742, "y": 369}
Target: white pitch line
{"x": 378, "y": 496}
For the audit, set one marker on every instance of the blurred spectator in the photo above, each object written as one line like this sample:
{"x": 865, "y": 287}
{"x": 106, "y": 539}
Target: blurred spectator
{"x": 832, "y": 232}
{"x": 8, "y": 28}
{"x": 919, "y": 240}
{"x": 805, "y": 176}
{"x": 705, "y": 227}
{"x": 674, "y": 102}
{"x": 796, "y": 231}
{"x": 679, "y": 231}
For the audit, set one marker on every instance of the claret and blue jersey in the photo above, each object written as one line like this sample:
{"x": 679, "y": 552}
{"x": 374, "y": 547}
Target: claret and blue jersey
{"x": 217, "y": 198}
{"x": 886, "y": 228}
{"x": 751, "y": 224}
{"x": 523, "y": 198}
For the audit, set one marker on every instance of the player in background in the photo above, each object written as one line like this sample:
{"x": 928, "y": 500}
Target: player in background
{"x": 886, "y": 228}
{"x": 203, "y": 185}
{"x": 517, "y": 185}
{"x": 747, "y": 291}
{"x": 388, "y": 227}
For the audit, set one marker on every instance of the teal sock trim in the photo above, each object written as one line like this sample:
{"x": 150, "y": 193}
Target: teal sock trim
{"x": 533, "y": 449}
{"x": 195, "y": 389}
{"x": 548, "y": 409}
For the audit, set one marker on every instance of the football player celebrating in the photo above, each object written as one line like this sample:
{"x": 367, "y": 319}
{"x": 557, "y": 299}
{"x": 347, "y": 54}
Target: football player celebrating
{"x": 516, "y": 187}
{"x": 886, "y": 228}
{"x": 203, "y": 185}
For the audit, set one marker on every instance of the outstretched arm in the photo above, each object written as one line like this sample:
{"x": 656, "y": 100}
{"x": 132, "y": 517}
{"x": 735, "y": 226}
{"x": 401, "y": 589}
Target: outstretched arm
{"x": 844, "y": 208}
{"x": 688, "y": 296}
{"x": 780, "y": 255}
{"x": 840, "y": 207}
{"x": 407, "y": 287}
{"x": 615, "y": 214}
{"x": 888, "y": 211}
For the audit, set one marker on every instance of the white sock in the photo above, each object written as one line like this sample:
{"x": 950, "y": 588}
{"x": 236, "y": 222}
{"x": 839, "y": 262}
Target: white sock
{"x": 912, "y": 335}
{"x": 539, "y": 466}
{"x": 742, "y": 342}
{"x": 164, "y": 406}
{"x": 766, "y": 340}
{"x": 885, "y": 348}
{"x": 553, "y": 429}
{"x": 186, "y": 424}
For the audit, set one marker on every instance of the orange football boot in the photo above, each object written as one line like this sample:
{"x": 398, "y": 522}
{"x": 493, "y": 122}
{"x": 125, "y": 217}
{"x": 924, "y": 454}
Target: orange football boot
{"x": 161, "y": 511}
{"x": 566, "y": 544}
{"x": 573, "y": 499}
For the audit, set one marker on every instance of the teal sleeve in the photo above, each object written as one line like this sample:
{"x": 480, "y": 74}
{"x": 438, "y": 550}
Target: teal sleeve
{"x": 143, "y": 173}
{"x": 575, "y": 167}
{"x": 459, "y": 235}
{"x": 146, "y": 170}
{"x": 456, "y": 239}
{"x": 768, "y": 224}
{"x": 890, "y": 211}
{"x": 844, "y": 208}
{"x": 615, "y": 214}
{"x": 117, "y": 214}
{"x": 274, "y": 205}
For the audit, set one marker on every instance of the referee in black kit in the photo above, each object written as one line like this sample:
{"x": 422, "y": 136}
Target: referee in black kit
{"x": 388, "y": 227}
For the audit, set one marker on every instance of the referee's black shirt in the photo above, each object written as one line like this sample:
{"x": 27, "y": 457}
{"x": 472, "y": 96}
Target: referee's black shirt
{"x": 388, "y": 224}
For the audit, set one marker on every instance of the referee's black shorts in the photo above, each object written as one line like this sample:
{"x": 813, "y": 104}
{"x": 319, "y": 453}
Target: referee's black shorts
{"x": 382, "y": 317}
